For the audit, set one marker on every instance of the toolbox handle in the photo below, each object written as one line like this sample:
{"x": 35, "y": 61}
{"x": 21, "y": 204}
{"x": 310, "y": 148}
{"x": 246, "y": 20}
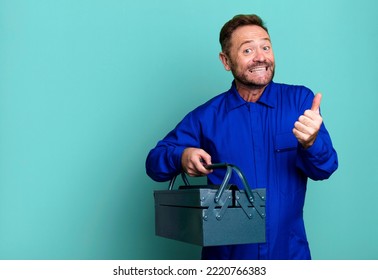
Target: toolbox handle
{"x": 172, "y": 182}
{"x": 227, "y": 176}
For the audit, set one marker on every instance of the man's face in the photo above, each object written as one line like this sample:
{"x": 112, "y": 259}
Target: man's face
{"x": 250, "y": 58}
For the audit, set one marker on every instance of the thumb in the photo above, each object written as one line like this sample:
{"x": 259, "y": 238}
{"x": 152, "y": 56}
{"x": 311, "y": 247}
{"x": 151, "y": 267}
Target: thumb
{"x": 316, "y": 102}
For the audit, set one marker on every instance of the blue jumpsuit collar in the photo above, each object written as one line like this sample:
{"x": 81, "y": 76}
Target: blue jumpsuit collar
{"x": 235, "y": 100}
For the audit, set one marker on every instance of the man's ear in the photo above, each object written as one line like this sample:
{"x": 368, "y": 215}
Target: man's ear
{"x": 225, "y": 60}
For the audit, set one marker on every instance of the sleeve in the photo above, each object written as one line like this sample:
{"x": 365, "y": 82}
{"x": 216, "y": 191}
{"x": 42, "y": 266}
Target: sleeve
{"x": 164, "y": 161}
{"x": 319, "y": 161}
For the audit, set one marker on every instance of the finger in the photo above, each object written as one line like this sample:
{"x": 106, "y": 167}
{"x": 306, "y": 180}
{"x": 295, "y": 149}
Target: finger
{"x": 193, "y": 160}
{"x": 304, "y": 129}
{"x": 205, "y": 159}
{"x": 303, "y": 138}
{"x": 316, "y": 103}
{"x": 305, "y": 120}
{"x": 298, "y": 134}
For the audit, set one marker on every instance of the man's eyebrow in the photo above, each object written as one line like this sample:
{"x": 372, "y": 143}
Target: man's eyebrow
{"x": 252, "y": 41}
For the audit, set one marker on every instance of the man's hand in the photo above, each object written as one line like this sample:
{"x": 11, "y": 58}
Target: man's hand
{"x": 307, "y": 127}
{"x": 193, "y": 161}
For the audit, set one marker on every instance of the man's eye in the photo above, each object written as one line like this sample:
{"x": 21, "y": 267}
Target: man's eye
{"x": 266, "y": 48}
{"x": 248, "y": 51}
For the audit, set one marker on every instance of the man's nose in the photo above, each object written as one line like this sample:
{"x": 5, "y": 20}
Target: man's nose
{"x": 259, "y": 56}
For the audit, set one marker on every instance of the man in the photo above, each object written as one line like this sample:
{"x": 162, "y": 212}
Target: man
{"x": 273, "y": 132}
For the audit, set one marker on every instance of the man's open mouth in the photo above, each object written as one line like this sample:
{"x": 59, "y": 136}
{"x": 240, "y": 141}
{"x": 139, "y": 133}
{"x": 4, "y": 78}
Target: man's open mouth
{"x": 258, "y": 69}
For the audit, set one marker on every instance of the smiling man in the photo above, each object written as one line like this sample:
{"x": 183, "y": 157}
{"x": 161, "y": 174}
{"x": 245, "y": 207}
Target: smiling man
{"x": 250, "y": 59}
{"x": 273, "y": 132}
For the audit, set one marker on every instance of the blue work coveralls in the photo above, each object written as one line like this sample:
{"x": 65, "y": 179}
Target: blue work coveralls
{"x": 258, "y": 138}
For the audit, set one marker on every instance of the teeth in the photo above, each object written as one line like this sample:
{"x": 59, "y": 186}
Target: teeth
{"x": 258, "y": 69}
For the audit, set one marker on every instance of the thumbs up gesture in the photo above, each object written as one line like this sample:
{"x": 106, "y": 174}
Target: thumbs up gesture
{"x": 307, "y": 127}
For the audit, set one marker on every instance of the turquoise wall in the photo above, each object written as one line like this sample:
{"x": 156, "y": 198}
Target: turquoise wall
{"x": 87, "y": 88}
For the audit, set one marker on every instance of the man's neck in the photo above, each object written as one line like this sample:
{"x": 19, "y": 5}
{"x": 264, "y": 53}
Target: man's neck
{"x": 250, "y": 93}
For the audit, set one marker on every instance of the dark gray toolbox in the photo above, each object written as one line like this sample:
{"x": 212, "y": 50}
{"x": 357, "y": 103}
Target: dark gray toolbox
{"x": 211, "y": 215}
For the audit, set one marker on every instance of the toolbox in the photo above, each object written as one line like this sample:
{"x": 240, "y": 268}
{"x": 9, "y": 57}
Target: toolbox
{"x": 211, "y": 215}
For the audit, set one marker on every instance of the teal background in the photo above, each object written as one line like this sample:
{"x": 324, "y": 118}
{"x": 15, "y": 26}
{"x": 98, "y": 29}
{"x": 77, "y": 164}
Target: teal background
{"x": 87, "y": 88}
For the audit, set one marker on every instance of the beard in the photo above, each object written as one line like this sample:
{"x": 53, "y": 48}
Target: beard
{"x": 246, "y": 76}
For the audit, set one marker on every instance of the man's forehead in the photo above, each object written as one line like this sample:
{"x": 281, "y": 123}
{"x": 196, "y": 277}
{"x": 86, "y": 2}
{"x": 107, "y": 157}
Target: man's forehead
{"x": 250, "y": 33}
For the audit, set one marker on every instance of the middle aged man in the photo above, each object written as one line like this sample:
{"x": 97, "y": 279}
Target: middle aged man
{"x": 273, "y": 132}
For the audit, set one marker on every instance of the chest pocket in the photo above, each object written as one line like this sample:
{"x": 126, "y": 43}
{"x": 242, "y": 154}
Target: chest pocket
{"x": 285, "y": 142}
